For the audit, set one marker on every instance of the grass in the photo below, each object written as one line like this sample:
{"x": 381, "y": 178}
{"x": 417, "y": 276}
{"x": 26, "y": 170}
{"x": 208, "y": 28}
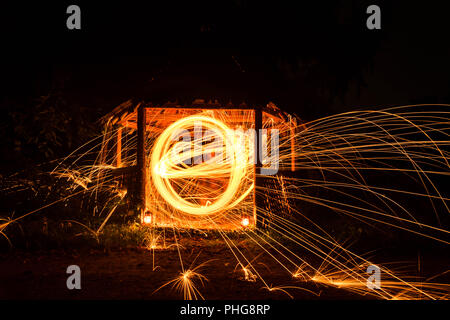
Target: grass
{"x": 43, "y": 234}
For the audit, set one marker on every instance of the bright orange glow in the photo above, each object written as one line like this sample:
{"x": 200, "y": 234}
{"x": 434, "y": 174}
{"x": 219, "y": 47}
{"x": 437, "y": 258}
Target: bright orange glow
{"x": 147, "y": 219}
{"x": 207, "y": 178}
{"x": 245, "y": 222}
{"x": 165, "y": 166}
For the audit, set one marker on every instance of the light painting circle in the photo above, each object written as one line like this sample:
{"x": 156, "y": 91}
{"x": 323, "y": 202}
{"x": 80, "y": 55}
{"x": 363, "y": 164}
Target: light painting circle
{"x": 166, "y": 165}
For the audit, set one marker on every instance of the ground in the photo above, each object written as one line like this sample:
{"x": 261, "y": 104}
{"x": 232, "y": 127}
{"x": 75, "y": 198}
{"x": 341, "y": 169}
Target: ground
{"x": 134, "y": 273}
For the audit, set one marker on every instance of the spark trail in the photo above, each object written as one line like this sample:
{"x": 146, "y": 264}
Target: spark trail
{"x": 371, "y": 166}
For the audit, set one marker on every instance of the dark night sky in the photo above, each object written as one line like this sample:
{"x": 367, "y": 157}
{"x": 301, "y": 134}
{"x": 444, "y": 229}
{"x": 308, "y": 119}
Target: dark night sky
{"x": 311, "y": 58}
{"x": 412, "y": 65}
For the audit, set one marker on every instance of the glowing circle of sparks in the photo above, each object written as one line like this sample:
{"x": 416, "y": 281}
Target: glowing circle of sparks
{"x": 166, "y": 164}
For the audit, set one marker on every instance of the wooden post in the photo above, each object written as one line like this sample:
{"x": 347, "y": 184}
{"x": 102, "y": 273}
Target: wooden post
{"x": 141, "y": 159}
{"x": 105, "y": 141}
{"x": 104, "y": 151}
{"x": 292, "y": 127}
{"x": 259, "y": 201}
{"x": 119, "y": 148}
